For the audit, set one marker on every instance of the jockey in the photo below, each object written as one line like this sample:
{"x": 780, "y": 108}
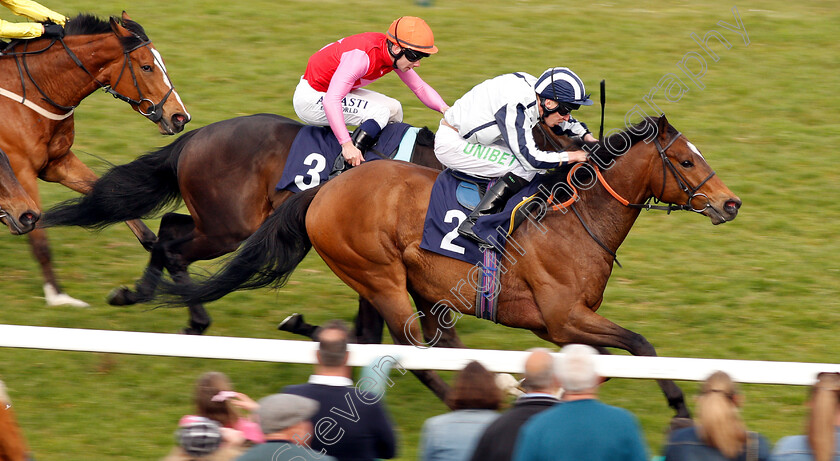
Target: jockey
{"x": 35, "y": 12}
{"x": 330, "y": 92}
{"x": 500, "y": 113}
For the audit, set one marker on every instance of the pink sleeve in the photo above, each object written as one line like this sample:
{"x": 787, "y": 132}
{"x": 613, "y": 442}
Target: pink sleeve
{"x": 353, "y": 66}
{"x": 250, "y": 430}
{"x": 424, "y": 92}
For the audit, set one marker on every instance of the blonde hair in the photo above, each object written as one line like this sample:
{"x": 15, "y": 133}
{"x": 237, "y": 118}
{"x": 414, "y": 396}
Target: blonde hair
{"x": 719, "y": 422}
{"x": 825, "y": 403}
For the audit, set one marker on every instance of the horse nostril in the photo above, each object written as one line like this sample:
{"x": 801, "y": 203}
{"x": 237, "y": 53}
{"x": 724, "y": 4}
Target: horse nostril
{"x": 732, "y": 206}
{"x": 179, "y": 120}
{"x": 29, "y": 218}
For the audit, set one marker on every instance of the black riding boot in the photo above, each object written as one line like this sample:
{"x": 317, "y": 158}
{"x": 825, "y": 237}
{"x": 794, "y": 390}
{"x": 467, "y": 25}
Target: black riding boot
{"x": 494, "y": 201}
{"x": 363, "y": 141}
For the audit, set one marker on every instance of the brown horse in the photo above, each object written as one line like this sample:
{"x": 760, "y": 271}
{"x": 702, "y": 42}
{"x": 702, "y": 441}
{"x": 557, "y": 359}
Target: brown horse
{"x": 17, "y": 210}
{"x": 12, "y": 443}
{"x": 552, "y": 285}
{"x": 226, "y": 174}
{"x": 42, "y": 81}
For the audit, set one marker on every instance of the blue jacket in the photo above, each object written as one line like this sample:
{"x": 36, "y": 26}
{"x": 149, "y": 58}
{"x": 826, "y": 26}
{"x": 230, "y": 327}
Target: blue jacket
{"x": 346, "y": 426}
{"x": 685, "y": 445}
{"x": 581, "y": 430}
{"x": 796, "y": 448}
{"x": 452, "y": 436}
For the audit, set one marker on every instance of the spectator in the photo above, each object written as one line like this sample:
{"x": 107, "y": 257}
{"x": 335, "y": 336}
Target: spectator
{"x": 216, "y": 400}
{"x": 720, "y": 433}
{"x": 12, "y": 443}
{"x": 474, "y": 400}
{"x": 823, "y": 440}
{"x": 284, "y": 420}
{"x": 201, "y": 439}
{"x": 581, "y": 427}
{"x": 541, "y": 387}
{"x": 351, "y": 424}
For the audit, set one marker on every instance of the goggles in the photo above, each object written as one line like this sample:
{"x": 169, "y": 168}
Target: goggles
{"x": 562, "y": 108}
{"x": 414, "y": 55}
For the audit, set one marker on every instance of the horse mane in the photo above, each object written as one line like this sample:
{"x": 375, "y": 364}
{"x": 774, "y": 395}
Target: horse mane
{"x": 608, "y": 149}
{"x": 88, "y": 24}
{"x": 617, "y": 144}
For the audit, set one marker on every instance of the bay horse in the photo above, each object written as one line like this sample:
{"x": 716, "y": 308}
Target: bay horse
{"x": 17, "y": 209}
{"x": 553, "y": 286}
{"x": 12, "y": 443}
{"x": 41, "y": 83}
{"x": 226, "y": 174}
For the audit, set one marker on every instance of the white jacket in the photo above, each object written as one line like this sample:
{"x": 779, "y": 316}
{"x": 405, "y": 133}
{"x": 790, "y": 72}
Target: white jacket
{"x": 505, "y": 108}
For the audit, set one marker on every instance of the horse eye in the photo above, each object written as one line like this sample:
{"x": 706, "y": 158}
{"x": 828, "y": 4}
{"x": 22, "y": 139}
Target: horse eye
{"x": 686, "y": 164}
{"x": 146, "y": 68}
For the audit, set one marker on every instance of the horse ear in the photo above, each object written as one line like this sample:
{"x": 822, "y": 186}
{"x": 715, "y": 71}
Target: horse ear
{"x": 662, "y": 127}
{"x": 118, "y": 28}
{"x": 125, "y": 16}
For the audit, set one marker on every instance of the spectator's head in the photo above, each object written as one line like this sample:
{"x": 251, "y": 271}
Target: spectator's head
{"x": 332, "y": 344}
{"x": 199, "y": 437}
{"x": 286, "y": 415}
{"x": 576, "y": 369}
{"x": 719, "y": 421}
{"x": 825, "y": 415}
{"x": 207, "y": 389}
{"x": 475, "y": 389}
{"x": 539, "y": 372}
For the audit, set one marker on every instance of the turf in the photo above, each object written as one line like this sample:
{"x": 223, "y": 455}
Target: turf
{"x": 763, "y": 287}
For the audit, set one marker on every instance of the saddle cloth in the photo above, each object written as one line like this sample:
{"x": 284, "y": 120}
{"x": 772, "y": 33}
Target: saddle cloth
{"x": 450, "y": 203}
{"x": 315, "y": 149}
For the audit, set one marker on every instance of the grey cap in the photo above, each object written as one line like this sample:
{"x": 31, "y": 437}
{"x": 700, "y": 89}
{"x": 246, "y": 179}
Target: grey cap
{"x": 280, "y": 411}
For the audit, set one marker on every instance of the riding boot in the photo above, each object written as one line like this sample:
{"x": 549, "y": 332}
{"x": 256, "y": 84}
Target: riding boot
{"x": 363, "y": 141}
{"x": 494, "y": 201}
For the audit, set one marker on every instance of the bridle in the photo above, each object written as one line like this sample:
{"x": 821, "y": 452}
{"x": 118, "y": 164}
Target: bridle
{"x": 154, "y": 112}
{"x": 667, "y": 165}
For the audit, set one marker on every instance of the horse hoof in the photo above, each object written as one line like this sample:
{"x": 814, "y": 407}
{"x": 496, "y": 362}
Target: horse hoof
{"x": 291, "y": 323}
{"x": 63, "y": 299}
{"x": 120, "y": 297}
{"x": 191, "y": 331}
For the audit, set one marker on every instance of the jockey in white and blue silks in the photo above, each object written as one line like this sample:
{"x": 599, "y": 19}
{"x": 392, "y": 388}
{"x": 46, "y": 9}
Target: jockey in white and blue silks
{"x": 488, "y": 132}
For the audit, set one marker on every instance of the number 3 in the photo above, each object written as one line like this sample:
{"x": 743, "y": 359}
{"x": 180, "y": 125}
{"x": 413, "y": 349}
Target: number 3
{"x": 314, "y": 172}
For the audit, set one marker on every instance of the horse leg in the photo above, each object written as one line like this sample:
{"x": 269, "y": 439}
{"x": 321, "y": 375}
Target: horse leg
{"x": 579, "y": 324}
{"x": 39, "y": 244}
{"x": 174, "y": 229}
{"x": 368, "y": 324}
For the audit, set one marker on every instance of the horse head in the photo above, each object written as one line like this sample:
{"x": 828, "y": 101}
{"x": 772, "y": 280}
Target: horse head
{"x": 141, "y": 78}
{"x": 17, "y": 209}
{"x": 681, "y": 176}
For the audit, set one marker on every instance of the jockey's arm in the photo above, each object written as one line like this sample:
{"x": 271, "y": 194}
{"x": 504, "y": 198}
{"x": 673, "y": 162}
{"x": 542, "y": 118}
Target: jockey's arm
{"x": 425, "y": 93}
{"x": 520, "y": 139}
{"x": 34, "y": 11}
{"x": 353, "y": 66}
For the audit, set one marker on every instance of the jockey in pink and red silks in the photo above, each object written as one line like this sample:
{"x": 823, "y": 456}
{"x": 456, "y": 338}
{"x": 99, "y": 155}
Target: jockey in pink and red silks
{"x": 331, "y": 93}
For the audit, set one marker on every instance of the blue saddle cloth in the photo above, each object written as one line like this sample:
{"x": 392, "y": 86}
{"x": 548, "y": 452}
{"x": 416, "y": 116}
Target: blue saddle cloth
{"x": 314, "y": 150}
{"x": 447, "y": 211}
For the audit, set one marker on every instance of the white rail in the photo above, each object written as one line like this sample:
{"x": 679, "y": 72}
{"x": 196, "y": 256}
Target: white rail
{"x": 274, "y": 350}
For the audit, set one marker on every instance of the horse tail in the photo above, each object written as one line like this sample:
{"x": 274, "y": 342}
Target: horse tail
{"x": 135, "y": 190}
{"x": 267, "y": 258}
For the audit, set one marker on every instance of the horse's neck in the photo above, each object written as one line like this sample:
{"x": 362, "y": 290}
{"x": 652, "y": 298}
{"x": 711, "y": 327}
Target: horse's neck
{"x": 60, "y": 78}
{"x": 608, "y": 219}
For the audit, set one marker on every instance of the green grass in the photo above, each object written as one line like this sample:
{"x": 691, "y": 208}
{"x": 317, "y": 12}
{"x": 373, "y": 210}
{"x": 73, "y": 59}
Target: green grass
{"x": 763, "y": 287}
